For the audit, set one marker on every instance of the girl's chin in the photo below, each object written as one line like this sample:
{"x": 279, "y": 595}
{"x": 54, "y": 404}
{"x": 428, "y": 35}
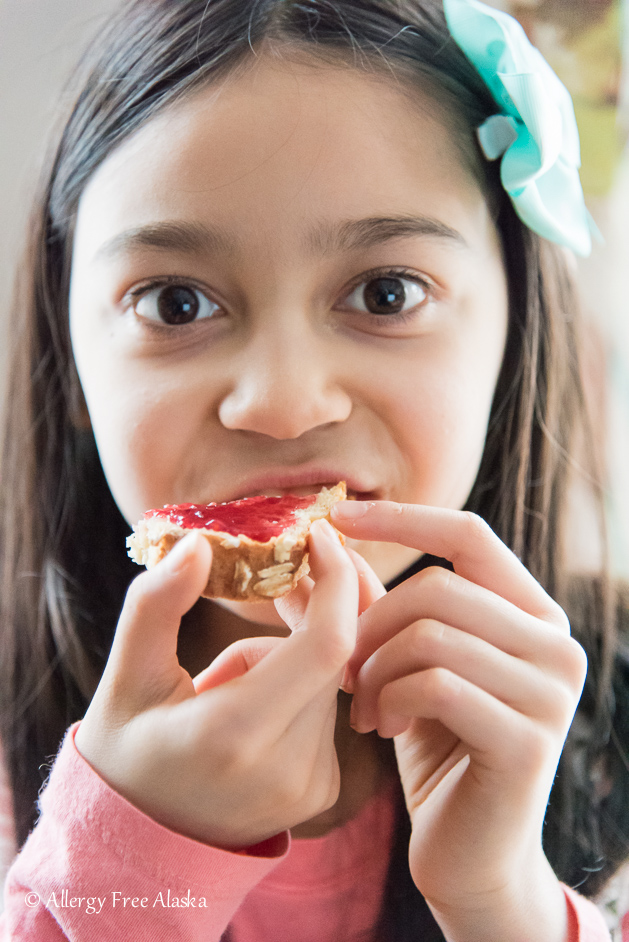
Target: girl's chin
{"x": 261, "y": 613}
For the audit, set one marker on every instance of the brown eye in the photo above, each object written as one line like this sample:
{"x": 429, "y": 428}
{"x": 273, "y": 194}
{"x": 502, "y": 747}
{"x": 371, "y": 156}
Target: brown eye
{"x": 384, "y": 295}
{"x": 177, "y": 305}
{"x": 174, "y": 305}
{"x": 387, "y": 294}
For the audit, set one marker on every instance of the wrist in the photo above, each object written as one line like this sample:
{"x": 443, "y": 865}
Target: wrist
{"x": 532, "y": 908}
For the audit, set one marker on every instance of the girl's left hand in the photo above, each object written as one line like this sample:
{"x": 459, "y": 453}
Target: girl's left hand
{"x": 476, "y": 677}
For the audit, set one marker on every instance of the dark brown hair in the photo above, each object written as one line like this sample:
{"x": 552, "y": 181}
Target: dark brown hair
{"x": 60, "y": 530}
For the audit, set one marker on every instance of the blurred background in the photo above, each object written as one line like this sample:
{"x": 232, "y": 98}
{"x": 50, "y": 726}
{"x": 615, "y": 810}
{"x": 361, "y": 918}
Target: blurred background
{"x": 586, "y": 42}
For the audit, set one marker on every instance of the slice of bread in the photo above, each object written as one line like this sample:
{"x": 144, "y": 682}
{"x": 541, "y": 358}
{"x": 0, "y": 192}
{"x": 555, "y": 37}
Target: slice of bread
{"x": 244, "y": 568}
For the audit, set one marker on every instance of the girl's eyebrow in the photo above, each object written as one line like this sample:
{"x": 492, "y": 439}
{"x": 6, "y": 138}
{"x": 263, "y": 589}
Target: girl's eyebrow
{"x": 194, "y": 238}
{"x": 191, "y": 238}
{"x": 326, "y": 238}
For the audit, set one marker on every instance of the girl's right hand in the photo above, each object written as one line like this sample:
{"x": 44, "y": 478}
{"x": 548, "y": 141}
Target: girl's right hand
{"x": 246, "y": 749}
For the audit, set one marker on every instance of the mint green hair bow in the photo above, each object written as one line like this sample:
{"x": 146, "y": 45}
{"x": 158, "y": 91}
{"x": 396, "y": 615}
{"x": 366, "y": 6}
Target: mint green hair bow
{"x": 535, "y": 132}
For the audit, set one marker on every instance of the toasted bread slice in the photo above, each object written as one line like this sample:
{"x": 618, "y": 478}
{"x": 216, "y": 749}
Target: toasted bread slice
{"x": 246, "y": 566}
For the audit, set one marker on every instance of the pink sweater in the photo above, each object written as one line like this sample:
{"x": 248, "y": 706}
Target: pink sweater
{"x": 95, "y": 867}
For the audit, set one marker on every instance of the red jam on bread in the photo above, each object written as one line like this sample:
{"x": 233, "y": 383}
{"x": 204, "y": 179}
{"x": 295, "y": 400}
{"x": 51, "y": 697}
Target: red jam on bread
{"x": 259, "y": 518}
{"x": 259, "y": 544}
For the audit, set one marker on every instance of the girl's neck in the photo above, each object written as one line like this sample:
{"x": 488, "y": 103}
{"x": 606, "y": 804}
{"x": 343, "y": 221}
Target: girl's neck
{"x": 365, "y": 761}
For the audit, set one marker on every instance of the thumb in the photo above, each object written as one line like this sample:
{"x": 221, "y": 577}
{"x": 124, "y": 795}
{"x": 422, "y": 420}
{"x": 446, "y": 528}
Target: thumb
{"x": 235, "y": 661}
{"x": 145, "y": 642}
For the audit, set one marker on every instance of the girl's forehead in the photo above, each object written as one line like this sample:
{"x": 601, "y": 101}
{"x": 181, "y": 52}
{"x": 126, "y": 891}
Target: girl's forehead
{"x": 282, "y": 142}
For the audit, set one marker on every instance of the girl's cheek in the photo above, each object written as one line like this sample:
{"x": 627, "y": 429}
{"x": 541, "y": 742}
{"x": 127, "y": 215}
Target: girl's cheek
{"x": 147, "y": 440}
{"x": 444, "y": 426}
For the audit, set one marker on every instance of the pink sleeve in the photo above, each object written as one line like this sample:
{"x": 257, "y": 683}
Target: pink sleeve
{"x": 586, "y": 923}
{"x": 95, "y": 867}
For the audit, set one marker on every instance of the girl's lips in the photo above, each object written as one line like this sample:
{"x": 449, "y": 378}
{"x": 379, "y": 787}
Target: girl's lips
{"x": 303, "y": 482}
{"x": 308, "y": 489}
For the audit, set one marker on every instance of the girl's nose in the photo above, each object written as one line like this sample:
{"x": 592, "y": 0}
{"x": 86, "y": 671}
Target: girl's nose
{"x": 285, "y": 392}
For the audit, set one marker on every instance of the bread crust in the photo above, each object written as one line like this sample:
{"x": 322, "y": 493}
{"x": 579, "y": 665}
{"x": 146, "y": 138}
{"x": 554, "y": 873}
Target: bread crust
{"x": 242, "y": 569}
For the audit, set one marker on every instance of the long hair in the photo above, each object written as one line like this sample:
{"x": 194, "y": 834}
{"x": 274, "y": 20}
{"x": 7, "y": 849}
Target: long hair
{"x": 63, "y": 567}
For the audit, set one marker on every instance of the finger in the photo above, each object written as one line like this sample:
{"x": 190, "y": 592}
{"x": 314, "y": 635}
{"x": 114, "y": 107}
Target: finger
{"x": 496, "y": 736}
{"x": 463, "y": 538}
{"x": 429, "y": 644}
{"x": 146, "y": 637}
{"x": 236, "y": 660}
{"x": 370, "y": 589}
{"x": 292, "y": 607}
{"x": 313, "y": 658}
{"x": 437, "y": 593}
{"x": 311, "y": 737}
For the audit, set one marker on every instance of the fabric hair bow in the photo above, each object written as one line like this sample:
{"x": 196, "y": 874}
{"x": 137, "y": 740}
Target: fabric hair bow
{"x": 535, "y": 131}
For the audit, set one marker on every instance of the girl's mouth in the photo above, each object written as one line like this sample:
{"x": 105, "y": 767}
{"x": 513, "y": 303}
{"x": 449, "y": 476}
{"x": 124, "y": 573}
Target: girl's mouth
{"x": 305, "y": 481}
{"x": 305, "y": 490}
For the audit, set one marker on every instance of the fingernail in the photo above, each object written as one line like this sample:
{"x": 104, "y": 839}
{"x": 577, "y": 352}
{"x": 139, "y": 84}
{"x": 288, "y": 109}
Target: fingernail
{"x": 348, "y": 509}
{"x": 357, "y": 721}
{"x": 347, "y": 684}
{"x": 180, "y": 552}
{"x": 393, "y": 725}
{"x": 352, "y": 718}
{"x": 327, "y": 531}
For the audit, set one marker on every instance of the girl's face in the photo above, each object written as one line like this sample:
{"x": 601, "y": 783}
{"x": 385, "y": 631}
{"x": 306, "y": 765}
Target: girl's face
{"x": 288, "y": 280}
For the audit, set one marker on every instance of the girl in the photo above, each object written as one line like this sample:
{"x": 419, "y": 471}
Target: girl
{"x": 270, "y": 254}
